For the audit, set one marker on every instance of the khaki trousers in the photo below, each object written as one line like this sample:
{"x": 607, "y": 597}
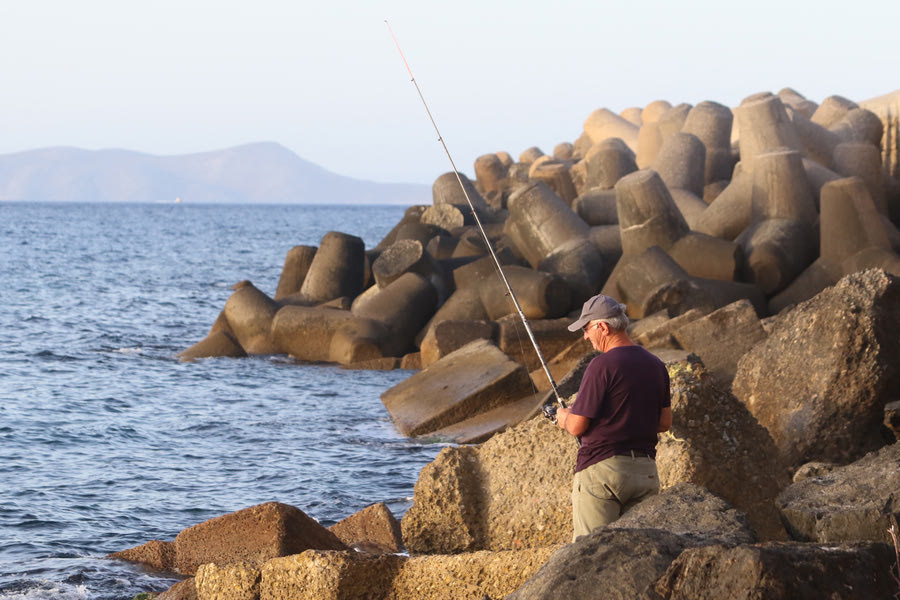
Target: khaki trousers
{"x": 605, "y": 490}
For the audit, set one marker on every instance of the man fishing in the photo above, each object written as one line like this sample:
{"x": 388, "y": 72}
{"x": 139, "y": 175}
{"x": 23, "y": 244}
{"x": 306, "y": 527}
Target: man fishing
{"x": 622, "y": 403}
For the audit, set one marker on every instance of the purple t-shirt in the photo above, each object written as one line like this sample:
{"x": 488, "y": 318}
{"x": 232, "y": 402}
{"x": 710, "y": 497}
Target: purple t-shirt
{"x": 622, "y": 392}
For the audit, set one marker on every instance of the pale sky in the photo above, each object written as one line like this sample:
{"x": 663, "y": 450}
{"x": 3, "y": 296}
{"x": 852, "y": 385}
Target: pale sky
{"x": 325, "y": 79}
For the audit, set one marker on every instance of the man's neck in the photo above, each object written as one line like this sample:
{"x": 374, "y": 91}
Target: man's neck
{"x": 617, "y": 340}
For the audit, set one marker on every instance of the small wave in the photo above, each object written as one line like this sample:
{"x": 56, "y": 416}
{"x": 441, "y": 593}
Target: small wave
{"x": 129, "y": 350}
{"x": 50, "y": 355}
{"x": 37, "y": 590}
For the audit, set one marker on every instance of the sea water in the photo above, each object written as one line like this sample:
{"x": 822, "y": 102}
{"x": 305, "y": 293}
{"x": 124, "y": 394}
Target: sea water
{"x": 107, "y": 441}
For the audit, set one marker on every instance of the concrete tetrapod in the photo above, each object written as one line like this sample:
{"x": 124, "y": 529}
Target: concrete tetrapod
{"x": 540, "y": 221}
{"x": 764, "y": 126}
{"x": 296, "y": 266}
{"x": 852, "y": 237}
{"x": 404, "y": 306}
{"x": 607, "y": 162}
{"x": 308, "y": 333}
{"x": 338, "y": 269}
{"x": 681, "y": 162}
{"x": 249, "y": 314}
{"x": 712, "y": 122}
{"x": 603, "y": 123}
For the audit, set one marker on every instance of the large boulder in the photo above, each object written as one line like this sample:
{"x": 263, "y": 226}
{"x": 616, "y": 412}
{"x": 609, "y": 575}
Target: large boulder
{"x": 474, "y": 575}
{"x": 156, "y": 554}
{"x": 373, "y": 529}
{"x": 820, "y": 381}
{"x": 252, "y": 535}
{"x": 852, "y": 503}
{"x": 511, "y": 492}
{"x": 328, "y": 575}
{"x": 235, "y": 581}
{"x": 722, "y": 337}
{"x": 780, "y": 570}
{"x": 608, "y": 563}
{"x": 691, "y": 511}
{"x": 469, "y": 381}
{"x": 715, "y": 442}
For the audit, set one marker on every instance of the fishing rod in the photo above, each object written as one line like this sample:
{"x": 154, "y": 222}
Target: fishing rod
{"x": 487, "y": 242}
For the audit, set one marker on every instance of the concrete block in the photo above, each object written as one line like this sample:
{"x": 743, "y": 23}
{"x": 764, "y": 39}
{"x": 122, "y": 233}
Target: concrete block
{"x": 249, "y": 313}
{"x": 552, "y": 336}
{"x": 449, "y": 336}
{"x": 597, "y": 206}
{"x": 722, "y": 337}
{"x": 831, "y": 110}
{"x": 781, "y": 189}
{"x": 404, "y": 307}
{"x": 307, "y": 333}
{"x": 217, "y": 344}
{"x": 681, "y": 162}
{"x": 603, "y": 123}
{"x": 251, "y": 535}
{"x": 764, "y": 126}
{"x": 557, "y": 177}
{"x": 730, "y": 213}
{"x": 296, "y": 266}
{"x": 702, "y": 255}
{"x": 337, "y": 269}
{"x": 863, "y": 160}
{"x": 540, "y": 221}
{"x": 797, "y": 102}
{"x": 541, "y": 295}
{"x": 482, "y": 427}
{"x": 607, "y": 162}
{"x": 776, "y": 251}
{"x": 329, "y": 576}
{"x": 476, "y": 378}
{"x": 712, "y": 122}
{"x": 850, "y": 221}
{"x": 647, "y": 214}
{"x": 374, "y": 529}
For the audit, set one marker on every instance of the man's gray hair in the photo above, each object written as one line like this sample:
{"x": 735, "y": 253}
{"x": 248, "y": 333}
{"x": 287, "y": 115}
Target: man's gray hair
{"x": 618, "y": 322}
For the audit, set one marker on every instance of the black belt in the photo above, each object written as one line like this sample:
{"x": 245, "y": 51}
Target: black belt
{"x": 634, "y": 453}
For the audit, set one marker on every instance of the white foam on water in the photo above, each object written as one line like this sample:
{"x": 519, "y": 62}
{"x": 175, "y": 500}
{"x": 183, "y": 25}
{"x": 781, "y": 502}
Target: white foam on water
{"x": 49, "y": 589}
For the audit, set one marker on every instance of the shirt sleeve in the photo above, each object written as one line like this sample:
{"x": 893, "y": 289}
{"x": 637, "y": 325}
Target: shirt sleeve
{"x": 591, "y": 391}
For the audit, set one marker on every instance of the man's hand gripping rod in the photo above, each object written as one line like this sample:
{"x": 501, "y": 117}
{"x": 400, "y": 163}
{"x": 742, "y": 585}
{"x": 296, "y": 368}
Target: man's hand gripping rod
{"x": 550, "y": 409}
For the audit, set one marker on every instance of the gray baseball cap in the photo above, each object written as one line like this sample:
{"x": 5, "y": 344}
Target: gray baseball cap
{"x": 598, "y": 307}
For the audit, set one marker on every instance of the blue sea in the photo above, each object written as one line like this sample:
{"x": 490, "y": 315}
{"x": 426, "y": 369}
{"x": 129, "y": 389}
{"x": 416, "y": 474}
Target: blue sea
{"x": 107, "y": 441}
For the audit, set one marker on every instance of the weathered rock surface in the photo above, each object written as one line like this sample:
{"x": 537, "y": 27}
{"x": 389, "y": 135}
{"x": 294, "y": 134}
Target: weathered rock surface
{"x": 691, "y": 511}
{"x": 715, "y": 442}
{"x": 820, "y": 381}
{"x": 475, "y": 575}
{"x": 374, "y": 529}
{"x": 608, "y": 563}
{"x": 509, "y": 493}
{"x": 780, "y": 570}
{"x": 253, "y": 535}
{"x": 155, "y": 553}
{"x": 183, "y": 590}
{"x": 329, "y": 575}
{"x": 852, "y": 503}
{"x": 722, "y": 337}
{"x": 235, "y": 581}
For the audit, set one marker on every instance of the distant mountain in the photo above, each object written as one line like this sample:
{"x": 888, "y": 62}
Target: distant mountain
{"x": 254, "y": 173}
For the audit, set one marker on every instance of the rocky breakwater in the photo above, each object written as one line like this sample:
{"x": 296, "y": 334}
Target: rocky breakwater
{"x": 762, "y": 240}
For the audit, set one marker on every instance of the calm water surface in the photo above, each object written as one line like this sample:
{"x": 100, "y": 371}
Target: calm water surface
{"x": 107, "y": 441}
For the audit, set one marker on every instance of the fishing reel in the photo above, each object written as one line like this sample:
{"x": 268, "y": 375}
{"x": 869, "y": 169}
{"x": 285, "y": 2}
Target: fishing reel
{"x": 549, "y": 411}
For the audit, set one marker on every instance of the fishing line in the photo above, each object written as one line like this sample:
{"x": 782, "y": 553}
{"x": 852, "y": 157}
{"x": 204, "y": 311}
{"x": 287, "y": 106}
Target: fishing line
{"x": 487, "y": 241}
